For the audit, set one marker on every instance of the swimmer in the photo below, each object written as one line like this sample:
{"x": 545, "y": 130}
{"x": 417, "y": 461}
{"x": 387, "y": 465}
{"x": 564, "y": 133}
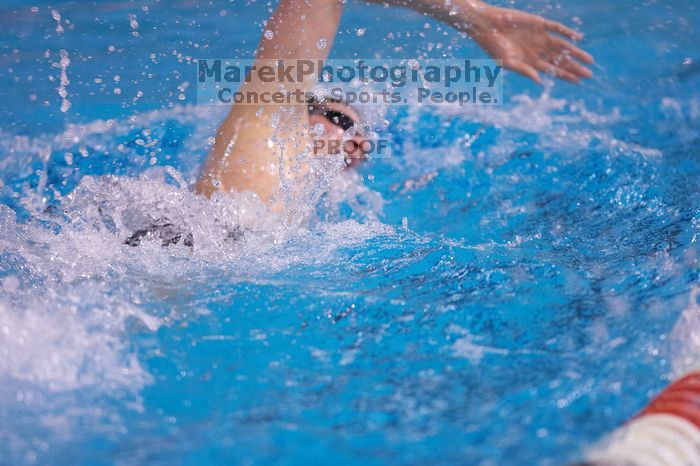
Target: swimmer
{"x": 255, "y": 150}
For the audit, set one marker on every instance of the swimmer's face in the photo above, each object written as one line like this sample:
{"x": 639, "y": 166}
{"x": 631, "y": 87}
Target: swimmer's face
{"x": 339, "y": 132}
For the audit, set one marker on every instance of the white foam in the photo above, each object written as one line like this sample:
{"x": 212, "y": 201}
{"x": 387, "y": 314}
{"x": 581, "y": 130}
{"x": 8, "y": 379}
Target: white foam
{"x": 53, "y": 322}
{"x": 686, "y": 336}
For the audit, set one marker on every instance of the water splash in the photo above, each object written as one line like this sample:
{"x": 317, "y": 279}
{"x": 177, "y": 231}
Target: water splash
{"x": 63, "y": 83}
{"x": 686, "y": 336}
{"x": 57, "y": 17}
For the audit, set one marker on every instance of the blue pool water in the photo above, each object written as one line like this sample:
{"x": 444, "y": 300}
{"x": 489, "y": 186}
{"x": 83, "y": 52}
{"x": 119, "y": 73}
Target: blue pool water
{"x": 502, "y": 291}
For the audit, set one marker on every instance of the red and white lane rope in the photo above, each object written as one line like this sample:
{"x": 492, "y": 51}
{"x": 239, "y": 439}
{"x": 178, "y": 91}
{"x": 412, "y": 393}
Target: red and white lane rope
{"x": 665, "y": 433}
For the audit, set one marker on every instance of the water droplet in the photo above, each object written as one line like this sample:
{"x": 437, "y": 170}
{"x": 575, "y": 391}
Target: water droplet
{"x": 269, "y": 34}
{"x": 57, "y": 17}
{"x": 361, "y": 32}
{"x": 322, "y": 44}
{"x": 62, "y": 91}
{"x": 133, "y": 22}
{"x": 318, "y": 130}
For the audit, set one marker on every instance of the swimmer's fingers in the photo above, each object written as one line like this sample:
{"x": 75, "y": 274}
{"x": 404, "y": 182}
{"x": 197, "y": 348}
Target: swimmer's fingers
{"x": 557, "y": 71}
{"x": 565, "y": 31}
{"x": 575, "y": 52}
{"x": 524, "y": 69}
{"x": 565, "y": 62}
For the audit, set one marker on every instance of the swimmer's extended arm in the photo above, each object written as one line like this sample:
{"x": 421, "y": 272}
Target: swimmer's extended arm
{"x": 523, "y": 41}
{"x": 256, "y": 146}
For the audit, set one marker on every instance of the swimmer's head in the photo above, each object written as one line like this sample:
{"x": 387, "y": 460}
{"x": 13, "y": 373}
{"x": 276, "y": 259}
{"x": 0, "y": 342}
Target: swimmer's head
{"x": 340, "y": 128}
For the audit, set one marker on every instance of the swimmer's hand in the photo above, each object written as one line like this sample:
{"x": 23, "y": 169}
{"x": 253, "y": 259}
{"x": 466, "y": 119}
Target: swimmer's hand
{"x": 528, "y": 43}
